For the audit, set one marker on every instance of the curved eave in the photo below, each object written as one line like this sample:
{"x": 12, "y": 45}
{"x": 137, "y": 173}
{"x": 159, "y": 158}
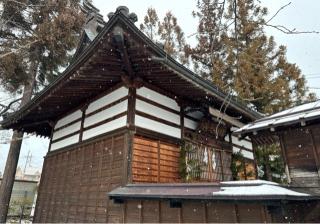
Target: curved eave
{"x": 271, "y": 128}
{"x": 170, "y": 64}
{"x": 69, "y": 70}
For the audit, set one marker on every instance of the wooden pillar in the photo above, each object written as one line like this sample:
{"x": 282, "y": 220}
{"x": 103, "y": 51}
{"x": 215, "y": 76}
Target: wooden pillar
{"x": 182, "y": 121}
{"x": 236, "y": 209}
{"x": 205, "y": 210}
{"x": 315, "y": 154}
{"x": 131, "y": 107}
{"x": 159, "y": 211}
{"x": 130, "y": 136}
{"x": 284, "y": 156}
{"x": 158, "y": 161}
{"x": 222, "y": 174}
{"x": 83, "y": 110}
{"x": 254, "y": 145}
{"x": 140, "y": 211}
{"x": 180, "y": 218}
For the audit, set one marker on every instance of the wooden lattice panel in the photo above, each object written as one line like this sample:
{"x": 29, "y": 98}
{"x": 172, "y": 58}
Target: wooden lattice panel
{"x": 154, "y": 161}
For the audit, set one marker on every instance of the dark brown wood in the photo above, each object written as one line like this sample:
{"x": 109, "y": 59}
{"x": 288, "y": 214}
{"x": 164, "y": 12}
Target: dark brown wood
{"x": 83, "y": 110}
{"x": 220, "y": 157}
{"x": 182, "y": 121}
{"x": 155, "y": 135}
{"x": 284, "y": 157}
{"x": 92, "y": 171}
{"x": 315, "y": 148}
{"x": 236, "y": 209}
{"x": 131, "y": 108}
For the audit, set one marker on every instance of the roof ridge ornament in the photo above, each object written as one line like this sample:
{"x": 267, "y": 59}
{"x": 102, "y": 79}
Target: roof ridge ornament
{"x": 125, "y": 11}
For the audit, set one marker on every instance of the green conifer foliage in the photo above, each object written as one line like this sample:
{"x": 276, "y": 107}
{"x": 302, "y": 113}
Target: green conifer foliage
{"x": 38, "y": 32}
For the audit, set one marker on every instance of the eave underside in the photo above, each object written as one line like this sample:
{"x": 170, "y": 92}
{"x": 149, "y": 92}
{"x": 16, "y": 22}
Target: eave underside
{"x": 101, "y": 68}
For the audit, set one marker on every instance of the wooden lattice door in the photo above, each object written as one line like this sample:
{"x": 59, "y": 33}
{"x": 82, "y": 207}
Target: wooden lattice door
{"x": 154, "y": 161}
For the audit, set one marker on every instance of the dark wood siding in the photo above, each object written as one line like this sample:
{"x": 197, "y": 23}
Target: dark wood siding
{"x": 150, "y": 211}
{"x": 154, "y": 161}
{"x": 75, "y": 182}
{"x": 298, "y": 145}
{"x": 301, "y": 148}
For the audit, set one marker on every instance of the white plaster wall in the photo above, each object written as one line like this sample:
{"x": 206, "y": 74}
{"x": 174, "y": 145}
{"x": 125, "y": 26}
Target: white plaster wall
{"x": 104, "y": 128}
{"x": 107, "y": 99}
{"x": 158, "y": 98}
{"x": 65, "y": 142}
{"x": 68, "y": 119}
{"x": 188, "y": 123}
{"x": 157, "y": 112}
{"x": 157, "y": 126}
{"x": 67, "y": 130}
{"x": 107, "y": 113}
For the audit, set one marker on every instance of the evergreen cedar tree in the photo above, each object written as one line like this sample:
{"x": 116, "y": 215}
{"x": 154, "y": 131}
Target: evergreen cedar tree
{"x": 239, "y": 58}
{"x": 36, "y": 39}
{"x": 41, "y": 33}
{"x": 245, "y": 61}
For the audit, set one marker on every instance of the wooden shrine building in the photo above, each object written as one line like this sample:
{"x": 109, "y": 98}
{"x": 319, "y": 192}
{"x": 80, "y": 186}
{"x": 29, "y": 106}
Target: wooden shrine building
{"x": 298, "y": 131}
{"x": 130, "y": 128}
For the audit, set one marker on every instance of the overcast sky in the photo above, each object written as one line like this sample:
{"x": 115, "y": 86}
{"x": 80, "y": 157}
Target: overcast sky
{"x": 303, "y": 49}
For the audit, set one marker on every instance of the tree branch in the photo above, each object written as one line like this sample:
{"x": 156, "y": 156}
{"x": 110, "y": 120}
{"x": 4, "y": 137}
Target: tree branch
{"x": 8, "y": 107}
{"x": 20, "y": 48}
{"x": 283, "y": 28}
{"x": 281, "y": 8}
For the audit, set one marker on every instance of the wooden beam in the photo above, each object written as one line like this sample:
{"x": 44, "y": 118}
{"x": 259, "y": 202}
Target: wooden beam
{"x": 315, "y": 154}
{"x": 118, "y": 35}
{"x": 283, "y": 150}
{"x": 225, "y": 117}
{"x": 131, "y": 108}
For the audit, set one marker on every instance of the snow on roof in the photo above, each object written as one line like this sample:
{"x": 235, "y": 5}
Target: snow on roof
{"x": 249, "y": 182}
{"x": 305, "y": 112}
{"x": 229, "y": 190}
{"x": 255, "y": 188}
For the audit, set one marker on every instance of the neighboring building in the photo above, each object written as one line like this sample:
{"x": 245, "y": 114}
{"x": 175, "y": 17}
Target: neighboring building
{"x": 22, "y": 197}
{"x": 298, "y": 131}
{"x": 128, "y": 122}
{"x": 29, "y": 173}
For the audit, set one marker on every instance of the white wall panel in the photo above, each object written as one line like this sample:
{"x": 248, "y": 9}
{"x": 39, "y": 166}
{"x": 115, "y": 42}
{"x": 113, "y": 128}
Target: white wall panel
{"x": 188, "y": 123}
{"x": 107, "y": 99}
{"x": 157, "y": 112}
{"x": 68, "y": 119}
{"x": 196, "y": 114}
{"x": 159, "y": 98}
{"x": 65, "y": 142}
{"x": 67, "y": 130}
{"x": 157, "y": 126}
{"x": 244, "y": 143}
{"x": 107, "y": 113}
{"x": 110, "y": 126}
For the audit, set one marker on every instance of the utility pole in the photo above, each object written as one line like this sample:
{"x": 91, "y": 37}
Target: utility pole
{"x": 28, "y": 161}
